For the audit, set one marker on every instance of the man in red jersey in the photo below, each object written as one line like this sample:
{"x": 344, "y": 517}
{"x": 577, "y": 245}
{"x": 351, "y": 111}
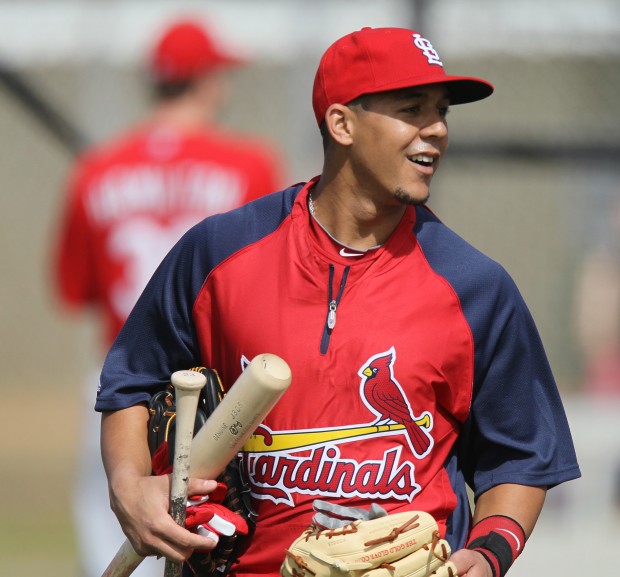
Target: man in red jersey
{"x": 130, "y": 199}
{"x": 417, "y": 368}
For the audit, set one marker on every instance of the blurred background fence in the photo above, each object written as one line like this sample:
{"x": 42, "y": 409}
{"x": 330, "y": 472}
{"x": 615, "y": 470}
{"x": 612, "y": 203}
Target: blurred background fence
{"x": 532, "y": 178}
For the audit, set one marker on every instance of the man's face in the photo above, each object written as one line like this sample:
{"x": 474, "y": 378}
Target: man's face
{"x": 398, "y": 141}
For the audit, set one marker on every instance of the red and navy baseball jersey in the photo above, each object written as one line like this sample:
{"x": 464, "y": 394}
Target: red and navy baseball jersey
{"x": 130, "y": 200}
{"x": 416, "y": 366}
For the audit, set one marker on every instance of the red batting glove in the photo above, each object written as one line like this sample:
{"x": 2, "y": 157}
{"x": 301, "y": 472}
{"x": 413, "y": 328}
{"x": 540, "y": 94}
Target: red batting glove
{"x": 205, "y": 515}
{"x": 212, "y": 519}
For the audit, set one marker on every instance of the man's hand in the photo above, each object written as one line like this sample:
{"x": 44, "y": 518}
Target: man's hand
{"x": 141, "y": 506}
{"x": 504, "y": 517}
{"x": 471, "y": 564}
{"x": 140, "y": 500}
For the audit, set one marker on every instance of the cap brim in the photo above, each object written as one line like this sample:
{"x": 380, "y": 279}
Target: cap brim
{"x": 228, "y": 61}
{"x": 461, "y": 89}
{"x": 464, "y": 89}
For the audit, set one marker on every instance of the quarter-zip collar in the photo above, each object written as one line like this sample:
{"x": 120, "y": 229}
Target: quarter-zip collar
{"x": 314, "y": 243}
{"x": 338, "y": 274}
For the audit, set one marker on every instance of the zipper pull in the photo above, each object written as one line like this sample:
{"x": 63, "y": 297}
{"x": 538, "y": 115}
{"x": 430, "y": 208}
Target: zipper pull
{"x": 331, "y": 316}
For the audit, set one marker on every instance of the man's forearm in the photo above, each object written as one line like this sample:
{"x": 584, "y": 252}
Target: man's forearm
{"x": 504, "y": 518}
{"x": 519, "y": 502}
{"x": 124, "y": 446}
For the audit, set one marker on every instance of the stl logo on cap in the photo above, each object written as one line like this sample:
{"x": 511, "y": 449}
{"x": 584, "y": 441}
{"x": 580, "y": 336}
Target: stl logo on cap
{"x": 427, "y": 49}
{"x": 373, "y": 60}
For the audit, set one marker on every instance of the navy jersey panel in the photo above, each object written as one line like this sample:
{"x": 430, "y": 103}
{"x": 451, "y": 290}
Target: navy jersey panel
{"x": 141, "y": 348}
{"x": 458, "y": 523}
{"x": 517, "y": 430}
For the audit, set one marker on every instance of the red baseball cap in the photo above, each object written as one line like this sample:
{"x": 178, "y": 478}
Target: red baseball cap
{"x": 186, "y": 50}
{"x": 380, "y": 59}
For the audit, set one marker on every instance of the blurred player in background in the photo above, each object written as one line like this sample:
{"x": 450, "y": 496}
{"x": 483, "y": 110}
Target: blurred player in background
{"x": 129, "y": 200}
{"x": 597, "y": 310}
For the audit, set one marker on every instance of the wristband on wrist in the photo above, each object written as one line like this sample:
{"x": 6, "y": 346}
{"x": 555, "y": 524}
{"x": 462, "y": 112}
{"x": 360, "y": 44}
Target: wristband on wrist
{"x": 499, "y": 539}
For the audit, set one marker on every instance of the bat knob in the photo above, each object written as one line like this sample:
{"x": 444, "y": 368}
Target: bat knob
{"x": 188, "y": 380}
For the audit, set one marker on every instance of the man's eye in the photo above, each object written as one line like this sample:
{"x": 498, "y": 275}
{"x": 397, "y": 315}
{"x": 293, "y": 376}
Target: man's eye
{"x": 444, "y": 111}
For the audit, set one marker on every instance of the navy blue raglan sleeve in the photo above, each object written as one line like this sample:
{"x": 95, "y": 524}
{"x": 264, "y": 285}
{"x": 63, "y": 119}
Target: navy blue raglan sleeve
{"x": 517, "y": 431}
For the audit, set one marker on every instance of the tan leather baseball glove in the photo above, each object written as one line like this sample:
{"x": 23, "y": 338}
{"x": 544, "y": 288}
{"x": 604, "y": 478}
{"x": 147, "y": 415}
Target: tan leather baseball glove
{"x": 404, "y": 544}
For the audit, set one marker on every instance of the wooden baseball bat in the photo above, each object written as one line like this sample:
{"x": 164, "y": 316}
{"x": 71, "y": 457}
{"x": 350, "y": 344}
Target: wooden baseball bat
{"x": 243, "y": 408}
{"x": 187, "y": 387}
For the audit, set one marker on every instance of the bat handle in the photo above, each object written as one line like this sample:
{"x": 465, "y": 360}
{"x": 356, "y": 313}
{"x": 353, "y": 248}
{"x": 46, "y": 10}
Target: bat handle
{"x": 187, "y": 387}
{"x": 124, "y": 563}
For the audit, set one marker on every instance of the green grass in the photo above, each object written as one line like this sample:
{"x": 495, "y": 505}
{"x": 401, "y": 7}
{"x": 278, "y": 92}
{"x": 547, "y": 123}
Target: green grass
{"x": 38, "y": 467}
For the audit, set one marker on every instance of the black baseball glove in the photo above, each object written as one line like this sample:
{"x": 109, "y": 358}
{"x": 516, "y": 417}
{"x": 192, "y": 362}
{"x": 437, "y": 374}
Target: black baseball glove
{"x": 162, "y": 410}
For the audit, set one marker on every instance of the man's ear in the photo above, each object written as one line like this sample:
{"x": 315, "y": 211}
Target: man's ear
{"x": 339, "y": 122}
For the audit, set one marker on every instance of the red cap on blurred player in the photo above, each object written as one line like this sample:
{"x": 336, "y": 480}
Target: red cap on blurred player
{"x": 186, "y": 50}
{"x": 380, "y": 59}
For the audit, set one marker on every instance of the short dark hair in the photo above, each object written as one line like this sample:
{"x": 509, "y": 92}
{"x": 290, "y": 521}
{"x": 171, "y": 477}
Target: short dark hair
{"x": 164, "y": 91}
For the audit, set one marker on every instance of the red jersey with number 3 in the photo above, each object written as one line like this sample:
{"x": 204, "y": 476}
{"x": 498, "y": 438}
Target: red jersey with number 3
{"x": 131, "y": 200}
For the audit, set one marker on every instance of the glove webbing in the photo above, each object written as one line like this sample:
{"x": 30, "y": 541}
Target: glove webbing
{"x": 500, "y": 539}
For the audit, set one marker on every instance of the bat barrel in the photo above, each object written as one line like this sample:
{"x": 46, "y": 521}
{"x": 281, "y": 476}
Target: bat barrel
{"x": 246, "y": 404}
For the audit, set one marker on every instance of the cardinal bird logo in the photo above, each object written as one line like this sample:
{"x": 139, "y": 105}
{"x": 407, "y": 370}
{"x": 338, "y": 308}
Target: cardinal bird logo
{"x": 384, "y": 396}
